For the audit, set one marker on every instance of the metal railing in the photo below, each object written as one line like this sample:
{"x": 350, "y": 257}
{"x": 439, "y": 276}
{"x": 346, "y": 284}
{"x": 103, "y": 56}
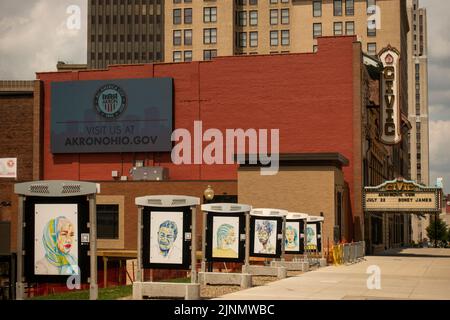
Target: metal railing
{"x": 348, "y": 253}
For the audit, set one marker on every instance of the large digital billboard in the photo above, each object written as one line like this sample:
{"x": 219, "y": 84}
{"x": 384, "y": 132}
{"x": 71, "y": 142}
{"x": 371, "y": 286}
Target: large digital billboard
{"x": 132, "y": 115}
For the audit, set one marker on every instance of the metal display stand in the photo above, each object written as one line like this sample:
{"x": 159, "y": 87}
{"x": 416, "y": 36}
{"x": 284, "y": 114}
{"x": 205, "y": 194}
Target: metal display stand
{"x": 320, "y": 220}
{"x": 56, "y": 189}
{"x": 296, "y": 264}
{"x": 274, "y": 271}
{"x": 188, "y": 291}
{"x": 242, "y": 279}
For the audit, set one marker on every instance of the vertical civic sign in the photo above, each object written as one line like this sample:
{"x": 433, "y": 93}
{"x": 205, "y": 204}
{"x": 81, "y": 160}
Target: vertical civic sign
{"x": 390, "y": 102}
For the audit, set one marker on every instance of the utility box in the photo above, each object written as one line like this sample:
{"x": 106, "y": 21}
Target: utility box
{"x": 149, "y": 174}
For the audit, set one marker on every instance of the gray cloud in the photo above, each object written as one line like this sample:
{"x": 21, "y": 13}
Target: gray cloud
{"x": 439, "y": 88}
{"x": 34, "y": 36}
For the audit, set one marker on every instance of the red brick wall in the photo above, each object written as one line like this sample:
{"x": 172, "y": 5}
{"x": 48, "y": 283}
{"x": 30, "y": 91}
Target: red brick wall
{"x": 310, "y": 98}
{"x": 16, "y": 141}
{"x": 307, "y": 96}
{"x": 16, "y": 133}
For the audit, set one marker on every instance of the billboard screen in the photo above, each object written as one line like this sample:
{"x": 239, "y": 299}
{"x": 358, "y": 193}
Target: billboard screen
{"x": 101, "y": 116}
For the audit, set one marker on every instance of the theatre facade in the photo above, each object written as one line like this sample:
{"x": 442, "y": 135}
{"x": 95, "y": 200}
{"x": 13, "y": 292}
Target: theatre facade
{"x": 321, "y": 112}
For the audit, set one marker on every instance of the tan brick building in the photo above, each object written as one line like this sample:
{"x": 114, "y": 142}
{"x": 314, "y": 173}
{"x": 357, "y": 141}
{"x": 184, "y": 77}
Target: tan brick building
{"x": 418, "y": 106}
{"x": 195, "y": 28}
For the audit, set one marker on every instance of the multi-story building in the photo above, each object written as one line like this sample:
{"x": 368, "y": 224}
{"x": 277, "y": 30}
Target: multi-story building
{"x": 418, "y": 105}
{"x": 124, "y": 32}
{"x": 199, "y": 30}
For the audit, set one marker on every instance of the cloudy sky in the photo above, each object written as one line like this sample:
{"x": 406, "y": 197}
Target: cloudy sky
{"x": 34, "y": 35}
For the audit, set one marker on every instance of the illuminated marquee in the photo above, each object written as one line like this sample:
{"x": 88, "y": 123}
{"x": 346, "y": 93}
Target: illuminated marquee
{"x": 390, "y": 105}
{"x": 402, "y": 196}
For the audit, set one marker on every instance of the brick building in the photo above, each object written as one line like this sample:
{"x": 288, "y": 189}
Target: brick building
{"x": 17, "y": 139}
{"x": 275, "y": 91}
{"x": 325, "y": 105}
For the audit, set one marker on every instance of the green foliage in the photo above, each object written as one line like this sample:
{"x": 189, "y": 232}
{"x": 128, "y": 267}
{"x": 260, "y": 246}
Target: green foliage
{"x": 437, "y": 230}
{"x": 113, "y": 293}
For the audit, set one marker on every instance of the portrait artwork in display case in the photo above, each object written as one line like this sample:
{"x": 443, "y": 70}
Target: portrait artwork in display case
{"x": 265, "y": 236}
{"x": 56, "y": 239}
{"x": 164, "y": 238}
{"x": 313, "y": 237}
{"x": 225, "y": 237}
{"x": 292, "y": 237}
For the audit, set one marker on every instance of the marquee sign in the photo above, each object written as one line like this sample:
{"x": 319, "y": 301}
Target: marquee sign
{"x": 402, "y": 196}
{"x": 390, "y": 102}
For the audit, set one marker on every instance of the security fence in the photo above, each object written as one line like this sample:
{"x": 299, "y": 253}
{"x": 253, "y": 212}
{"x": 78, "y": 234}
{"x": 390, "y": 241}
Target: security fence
{"x": 348, "y": 253}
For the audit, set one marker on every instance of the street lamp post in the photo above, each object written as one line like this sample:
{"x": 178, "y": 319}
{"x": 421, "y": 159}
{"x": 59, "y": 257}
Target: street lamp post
{"x": 209, "y": 195}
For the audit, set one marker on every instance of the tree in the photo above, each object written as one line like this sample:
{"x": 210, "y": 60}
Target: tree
{"x": 437, "y": 230}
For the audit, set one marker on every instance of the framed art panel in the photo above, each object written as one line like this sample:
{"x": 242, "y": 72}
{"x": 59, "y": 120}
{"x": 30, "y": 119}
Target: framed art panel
{"x": 313, "y": 236}
{"x": 166, "y": 238}
{"x": 56, "y": 239}
{"x": 225, "y": 237}
{"x": 265, "y": 236}
{"x": 294, "y": 237}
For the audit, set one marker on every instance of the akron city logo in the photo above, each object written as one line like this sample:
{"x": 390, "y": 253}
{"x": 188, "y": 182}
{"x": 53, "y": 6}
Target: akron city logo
{"x": 110, "y": 101}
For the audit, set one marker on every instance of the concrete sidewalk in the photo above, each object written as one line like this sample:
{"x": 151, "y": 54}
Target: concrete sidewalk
{"x": 405, "y": 274}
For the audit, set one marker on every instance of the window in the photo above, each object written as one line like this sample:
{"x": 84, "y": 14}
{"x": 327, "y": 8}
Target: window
{"x": 209, "y": 54}
{"x": 284, "y": 1}
{"x": 371, "y": 6}
{"x": 274, "y": 38}
{"x": 177, "y": 56}
{"x": 242, "y": 39}
{"x": 372, "y": 48}
{"x": 349, "y": 7}
{"x": 253, "y": 2}
{"x": 253, "y": 18}
{"x": 284, "y": 16}
{"x": 317, "y": 30}
{"x": 188, "y": 56}
{"x": 210, "y": 36}
{"x": 337, "y": 7}
{"x": 273, "y": 17}
{"x": 177, "y": 37}
{"x": 210, "y": 14}
{"x": 108, "y": 221}
{"x": 285, "y": 37}
{"x": 274, "y": 1}
{"x": 188, "y": 16}
{"x": 337, "y": 28}
{"x": 253, "y": 39}
{"x": 350, "y": 28}
{"x": 371, "y": 29}
{"x": 317, "y": 8}
{"x": 177, "y": 16}
{"x": 188, "y": 37}
{"x": 242, "y": 18}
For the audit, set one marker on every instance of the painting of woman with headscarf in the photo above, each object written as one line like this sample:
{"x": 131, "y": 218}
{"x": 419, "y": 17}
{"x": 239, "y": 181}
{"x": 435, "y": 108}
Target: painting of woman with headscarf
{"x": 56, "y": 251}
{"x": 225, "y": 237}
